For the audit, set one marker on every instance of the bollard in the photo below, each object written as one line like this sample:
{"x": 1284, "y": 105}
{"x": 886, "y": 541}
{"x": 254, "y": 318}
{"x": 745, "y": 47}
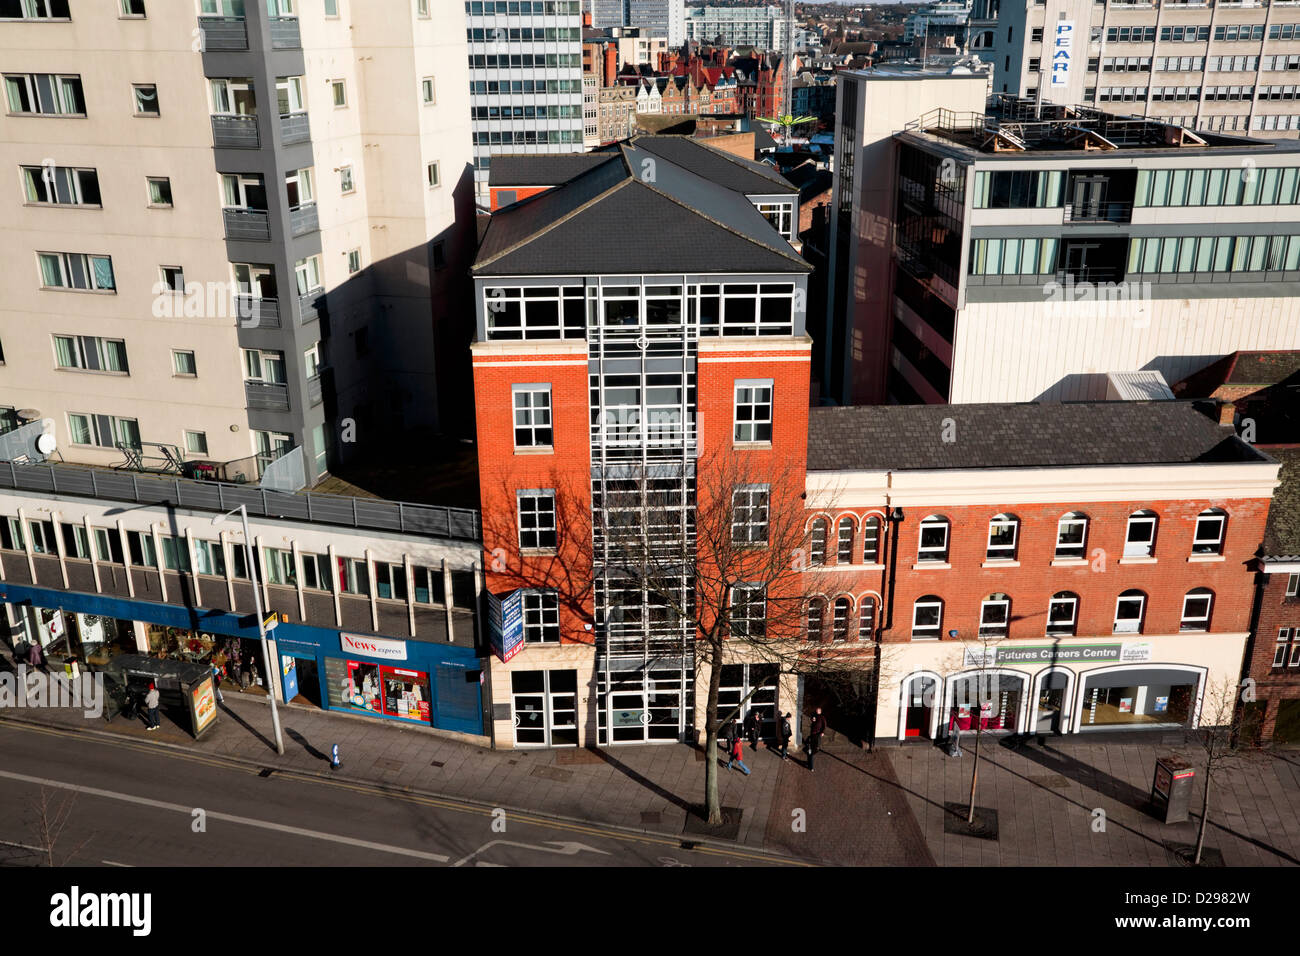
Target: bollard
{"x": 335, "y": 763}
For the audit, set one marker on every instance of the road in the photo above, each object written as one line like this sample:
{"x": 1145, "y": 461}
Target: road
{"x": 130, "y": 803}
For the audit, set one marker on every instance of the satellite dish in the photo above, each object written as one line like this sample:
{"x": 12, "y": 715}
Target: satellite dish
{"x": 28, "y": 414}
{"x": 46, "y": 444}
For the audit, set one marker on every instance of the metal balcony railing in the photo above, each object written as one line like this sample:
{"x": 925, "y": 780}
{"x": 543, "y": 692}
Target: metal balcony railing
{"x": 255, "y": 313}
{"x": 285, "y": 34}
{"x": 254, "y": 224}
{"x": 223, "y": 34}
{"x": 311, "y": 305}
{"x": 1099, "y": 212}
{"x": 314, "y": 390}
{"x": 304, "y": 219}
{"x": 461, "y": 524}
{"x": 235, "y": 132}
{"x": 294, "y": 128}
{"x": 267, "y": 396}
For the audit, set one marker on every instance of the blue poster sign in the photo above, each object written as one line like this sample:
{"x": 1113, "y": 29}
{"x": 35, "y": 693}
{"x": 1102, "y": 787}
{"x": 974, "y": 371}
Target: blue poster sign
{"x": 289, "y": 681}
{"x": 506, "y": 624}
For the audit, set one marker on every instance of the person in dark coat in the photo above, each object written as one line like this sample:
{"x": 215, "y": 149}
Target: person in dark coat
{"x": 34, "y": 659}
{"x": 751, "y": 728}
{"x": 814, "y": 741}
{"x": 784, "y": 733}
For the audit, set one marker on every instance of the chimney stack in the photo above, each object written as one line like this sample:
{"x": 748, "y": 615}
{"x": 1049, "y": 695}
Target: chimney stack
{"x": 611, "y": 63}
{"x": 1227, "y": 414}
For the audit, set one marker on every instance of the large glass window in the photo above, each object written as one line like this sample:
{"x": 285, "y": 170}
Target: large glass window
{"x": 1140, "y": 539}
{"x": 536, "y": 519}
{"x": 1002, "y": 538}
{"x": 541, "y": 617}
{"x": 927, "y": 618}
{"x": 753, "y": 410}
{"x": 749, "y": 506}
{"x": 1071, "y": 535}
{"x": 1210, "y": 526}
{"x": 1062, "y": 614}
{"x": 933, "y": 544}
{"x": 1196, "y": 610}
{"x": 1136, "y": 697}
{"x": 1130, "y": 608}
{"x": 532, "y": 407}
{"x": 817, "y": 543}
{"x": 995, "y": 615}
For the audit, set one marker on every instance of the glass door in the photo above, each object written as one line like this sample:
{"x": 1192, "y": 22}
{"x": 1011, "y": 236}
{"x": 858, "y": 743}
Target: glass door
{"x": 544, "y": 705}
{"x": 562, "y": 703}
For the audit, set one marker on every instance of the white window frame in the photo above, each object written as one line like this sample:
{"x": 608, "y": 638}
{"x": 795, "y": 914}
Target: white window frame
{"x": 136, "y": 100}
{"x": 1141, "y": 600}
{"x": 1144, "y": 549}
{"x": 347, "y": 182}
{"x": 422, "y": 9}
{"x": 923, "y": 633}
{"x": 866, "y": 618}
{"x": 256, "y": 362}
{"x": 1065, "y": 552}
{"x": 817, "y": 534}
{"x": 337, "y": 87}
{"x": 755, "y": 402}
{"x": 116, "y": 428}
{"x": 744, "y": 598}
{"x": 222, "y": 92}
{"x": 73, "y": 179}
{"x": 1198, "y": 622}
{"x": 533, "y": 539}
{"x": 525, "y": 416}
{"x": 1293, "y": 584}
{"x": 291, "y": 87}
{"x": 996, "y": 628}
{"x": 81, "y": 346}
{"x": 87, "y": 261}
{"x": 1209, "y": 546}
{"x": 428, "y": 91}
{"x": 305, "y": 182}
{"x": 240, "y": 183}
{"x": 1002, "y": 552}
{"x": 840, "y": 623}
{"x": 1063, "y": 598}
{"x": 433, "y": 174}
{"x": 354, "y": 261}
{"x": 750, "y": 514}
{"x": 315, "y": 571}
{"x": 843, "y": 546}
{"x": 150, "y": 182}
{"x": 311, "y": 361}
{"x": 331, "y": 9}
{"x": 61, "y": 89}
{"x": 818, "y": 605}
{"x": 201, "y": 439}
{"x": 307, "y": 272}
{"x": 871, "y": 528}
{"x": 171, "y": 279}
{"x": 937, "y": 554}
{"x": 541, "y": 614}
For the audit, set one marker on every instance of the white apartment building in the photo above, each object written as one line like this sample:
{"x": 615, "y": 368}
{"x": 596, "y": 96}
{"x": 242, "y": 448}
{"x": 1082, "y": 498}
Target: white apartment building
{"x": 196, "y": 187}
{"x": 525, "y": 59}
{"x": 1219, "y": 66}
{"x": 739, "y": 27}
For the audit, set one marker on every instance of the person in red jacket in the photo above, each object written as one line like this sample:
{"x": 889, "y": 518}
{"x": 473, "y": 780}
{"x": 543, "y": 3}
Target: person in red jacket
{"x": 737, "y": 755}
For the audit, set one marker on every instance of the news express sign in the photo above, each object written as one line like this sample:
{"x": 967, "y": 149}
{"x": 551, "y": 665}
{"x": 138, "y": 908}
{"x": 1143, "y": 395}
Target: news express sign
{"x": 506, "y": 624}
{"x": 1062, "y": 48}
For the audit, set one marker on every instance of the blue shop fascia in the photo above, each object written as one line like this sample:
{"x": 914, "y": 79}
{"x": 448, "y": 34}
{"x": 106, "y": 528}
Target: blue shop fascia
{"x": 401, "y": 679}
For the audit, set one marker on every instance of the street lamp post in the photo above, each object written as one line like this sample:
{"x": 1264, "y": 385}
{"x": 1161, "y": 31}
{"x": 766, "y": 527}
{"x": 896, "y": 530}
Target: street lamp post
{"x": 261, "y": 624}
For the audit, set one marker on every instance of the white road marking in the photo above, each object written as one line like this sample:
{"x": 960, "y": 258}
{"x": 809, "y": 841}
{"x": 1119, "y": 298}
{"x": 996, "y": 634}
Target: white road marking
{"x": 22, "y": 846}
{"x": 228, "y": 817}
{"x": 129, "y": 866}
{"x": 564, "y": 848}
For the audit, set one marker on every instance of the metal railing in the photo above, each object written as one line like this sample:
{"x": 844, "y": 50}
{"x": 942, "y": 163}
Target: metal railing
{"x": 254, "y": 313}
{"x": 314, "y": 391}
{"x": 304, "y": 219}
{"x": 247, "y": 223}
{"x": 235, "y": 132}
{"x": 222, "y": 34}
{"x": 1099, "y": 212}
{"x": 285, "y": 34}
{"x": 311, "y": 305}
{"x": 267, "y": 396}
{"x": 294, "y": 128}
{"x": 460, "y": 524}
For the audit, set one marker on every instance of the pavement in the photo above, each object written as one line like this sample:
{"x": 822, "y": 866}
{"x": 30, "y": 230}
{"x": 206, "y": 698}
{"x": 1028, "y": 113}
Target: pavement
{"x": 878, "y": 808}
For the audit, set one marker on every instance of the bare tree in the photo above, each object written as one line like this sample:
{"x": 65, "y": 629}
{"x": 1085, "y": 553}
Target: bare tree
{"x": 983, "y": 651}
{"x": 1221, "y": 723}
{"x": 50, "y": 816}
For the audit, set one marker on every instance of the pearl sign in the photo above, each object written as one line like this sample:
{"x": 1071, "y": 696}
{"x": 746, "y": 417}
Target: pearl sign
{"x": 1062, "y": 45}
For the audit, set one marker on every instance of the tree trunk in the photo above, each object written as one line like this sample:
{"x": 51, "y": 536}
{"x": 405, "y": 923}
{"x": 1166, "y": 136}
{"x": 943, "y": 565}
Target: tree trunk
{"x": 711, "y": 743}
{"x": 974, "y": 776}
{"x": 1205, "y": 813}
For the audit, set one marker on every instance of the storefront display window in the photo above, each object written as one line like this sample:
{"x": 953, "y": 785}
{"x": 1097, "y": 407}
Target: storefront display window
{"x": 1137, "y": 698}
{"x": 987, "y": 701}
{"x": 406, "y": 693}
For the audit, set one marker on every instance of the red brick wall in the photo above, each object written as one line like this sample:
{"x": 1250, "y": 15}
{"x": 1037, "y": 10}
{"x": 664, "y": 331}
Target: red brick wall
{"x": 1276, "y": 611}
{"x": 503, "y": 471}
{"x": 1031, "y": 585}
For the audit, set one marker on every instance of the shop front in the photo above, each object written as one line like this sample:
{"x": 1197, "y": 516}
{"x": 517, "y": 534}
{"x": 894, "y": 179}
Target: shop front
{"x": 417, "y": 682}
{"x": 62, "y": 634}
{"x": 1055, "y": 687}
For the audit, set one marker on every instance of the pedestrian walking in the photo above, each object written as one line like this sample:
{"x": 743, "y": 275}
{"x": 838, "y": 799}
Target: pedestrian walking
{"x": 34, "y": 659}
{"x": 784, "y": 733}
{"x": 737, "y": 754}
{"x": 751, "y": 728}
{"x": 814, "y": 741}
{"x": 216, "y": 681}
{"x": 151, "y": 703}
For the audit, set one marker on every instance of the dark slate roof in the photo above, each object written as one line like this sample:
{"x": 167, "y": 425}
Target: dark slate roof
{"x": 1282, "y": 535}
{"x": 1030, "y": 435}
{"x": 724, "y": 169}
{"x": 540, "y": 169}
{"x": 1263, "y": 368}
{"x": 612, "y": 220}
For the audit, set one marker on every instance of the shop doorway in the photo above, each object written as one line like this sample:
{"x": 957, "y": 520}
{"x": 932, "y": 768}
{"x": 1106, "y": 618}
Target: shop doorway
{"x": 918, "y": 715}
{"x": 737, "y": 681}
{"x": 1050, "y": 716}
{"x": 643, "y": 707}
{"x": 308, "y": 681}
{"x": 987, "y": 701}
{"x": 544, "y": 708}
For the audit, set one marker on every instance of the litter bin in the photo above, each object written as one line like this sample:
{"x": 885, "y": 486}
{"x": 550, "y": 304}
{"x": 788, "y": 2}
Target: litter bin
{"x": 181, "y": 687}
{"x": 1171, "y": 789}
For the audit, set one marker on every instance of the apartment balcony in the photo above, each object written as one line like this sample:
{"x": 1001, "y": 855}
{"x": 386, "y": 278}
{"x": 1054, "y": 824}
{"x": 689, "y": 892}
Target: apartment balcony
{"x": 285, "y": 34}
{"x": 315, "y": 393}
{"x": 266, "y": 397}
{"x": 235, "y": 132}
{"x": 311, "y": 305}
{"x": 1099, "y": 212}
{"x": 304, "y": 219}
{"x": 257, "y": 313}
{"x": 294, "y": 128}
{"x": 253, "y": 224}
{"x": 223, "y": 34}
